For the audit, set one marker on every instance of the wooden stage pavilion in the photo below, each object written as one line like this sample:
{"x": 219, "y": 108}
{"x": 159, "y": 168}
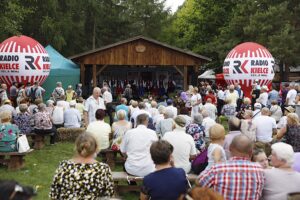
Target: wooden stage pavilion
{"x": 139, "y": 58}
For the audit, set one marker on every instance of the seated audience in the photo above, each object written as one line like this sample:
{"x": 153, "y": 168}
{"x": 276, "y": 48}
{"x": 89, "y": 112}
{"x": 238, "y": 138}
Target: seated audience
{"x": 12, "y": 190}
{"x": 100, "y": 130}
{"x": 275, "y": 111}
{"x": 281, "y": 179}
{"x": 58, "y": 115}
{"x": 171, "y": 107}
{"x": 7, "y": 106}
{"x": 33, "y": 106}
{"x": 72, "y": 117}
{"x": 153, "y": 110}
{"x": 184, "y": 145}
{"x": 43, "y": 124}
{"x": 142, "y": 110}
{"x": 136, "y": 147}
{"x": 248, "y": 128}
{"x": 119, "y": 129}
{"x": 23, "y": 120}
{"x": 50, "y": 106}
{"x": 215, "y": 152}
{"x": 246, "y": 178}
{"x": 167, "y": 182}
{"x": 260, "y": 157}
{"x": 80, "y": 106}
{"x": 257, "y": 110}
{"x": 234, "y": 125}
{"x": 160, "y": 116}
{"x": 207, "y": 123}
{"x": 82, "y": 176}
{"x": 228, "y": 109}
{"x": 122, "y": 106}
{"x": 196, "y": 130}
{"x": 265, "y": 126}
{"x": 291, "y": 132}
{"x": 8, "y": 132}
{"x": 283, "y": 120}
{"x": 165, "y": 125}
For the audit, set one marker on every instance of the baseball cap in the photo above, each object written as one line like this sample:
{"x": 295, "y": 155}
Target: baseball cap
{"x": 72, "y": 103}
{"x": 257, "y": 105}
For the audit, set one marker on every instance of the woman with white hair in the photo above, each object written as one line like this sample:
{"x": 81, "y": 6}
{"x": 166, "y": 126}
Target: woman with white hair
{"x": 291, "y": 132}
{"x": 119, "y": 129}
{"x": 282, "y": 179}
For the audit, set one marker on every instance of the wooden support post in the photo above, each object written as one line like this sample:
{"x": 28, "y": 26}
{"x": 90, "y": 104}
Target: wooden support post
{"x": 94, "y": 76}
{"x": 185, "y": 77}
{"x": 82, "y": 73}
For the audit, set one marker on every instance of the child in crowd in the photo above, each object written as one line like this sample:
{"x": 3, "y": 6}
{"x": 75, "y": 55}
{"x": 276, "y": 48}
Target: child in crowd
{"x": 260, "y": 157}
{"x": 216, "y": 153}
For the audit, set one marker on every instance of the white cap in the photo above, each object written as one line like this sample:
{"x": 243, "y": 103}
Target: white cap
{"x": 257, "y": 105}
{"x": 72, "y": 103}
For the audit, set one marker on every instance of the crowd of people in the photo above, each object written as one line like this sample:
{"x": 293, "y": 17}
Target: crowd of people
{"x": 241, "y": 147}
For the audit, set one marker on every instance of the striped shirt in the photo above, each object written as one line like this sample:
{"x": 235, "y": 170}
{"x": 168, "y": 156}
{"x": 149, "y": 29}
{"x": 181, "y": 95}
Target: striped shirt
{"x": 236, "y": 179}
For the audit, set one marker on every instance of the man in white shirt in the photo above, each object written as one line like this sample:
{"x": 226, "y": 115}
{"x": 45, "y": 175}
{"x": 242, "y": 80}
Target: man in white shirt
{"x": 210, "y": 108}
{"x": 136, "y": 147}
{"x": 184, "y": 145}
{"x": 266, "y": 126}
{"x": 92, "y": 104}
{"x": 171, "y": 107}
{"x": 232, "y": 95}
{"x": 207, "y": 123}
{"x": 100, "y": 130}
{"x": 72, "y": 117}
{"x": 291, "y": 95}
{"x": 142, "y": 110}
{"x": 257, "y": 110}
{"x": 107, "y": 97}
{"x": 263, "y": 97}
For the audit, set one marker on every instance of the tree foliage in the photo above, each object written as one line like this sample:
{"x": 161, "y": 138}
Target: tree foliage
{"x": 213, "y": 28}
{"x": 73, "y": 26}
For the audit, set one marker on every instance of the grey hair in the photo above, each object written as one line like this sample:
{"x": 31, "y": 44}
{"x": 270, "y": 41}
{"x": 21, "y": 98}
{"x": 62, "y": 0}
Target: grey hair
{"x": 284, "y": 152}
{"x": 168, "y": 113}
{"x": 121, "y": 114}
{"x": 198, "y": 119}
{"x": 161, "y": 109}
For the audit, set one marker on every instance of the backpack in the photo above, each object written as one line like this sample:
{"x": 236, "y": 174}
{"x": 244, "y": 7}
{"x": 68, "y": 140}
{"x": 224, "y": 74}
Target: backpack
{"x": 32, "y": 93}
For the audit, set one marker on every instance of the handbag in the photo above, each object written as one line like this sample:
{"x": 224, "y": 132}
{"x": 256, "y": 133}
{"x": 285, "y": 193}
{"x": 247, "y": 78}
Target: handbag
{"x": 22, "y": 144}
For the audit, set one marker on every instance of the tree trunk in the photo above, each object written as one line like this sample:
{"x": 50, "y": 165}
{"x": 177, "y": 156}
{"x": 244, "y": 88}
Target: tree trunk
{"x": 94, "y": 35}
{"x": 286, "y": 72}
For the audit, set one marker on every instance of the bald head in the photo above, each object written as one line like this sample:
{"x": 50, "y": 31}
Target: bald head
{"x": 241, "y": 146}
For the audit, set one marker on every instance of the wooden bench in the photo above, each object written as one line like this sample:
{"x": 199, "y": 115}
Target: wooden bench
{"x": 121, "y": 182}
{"x": 38, "y": 140}
{"x": 110, "y": 157}
{"x": 13, "y": 160}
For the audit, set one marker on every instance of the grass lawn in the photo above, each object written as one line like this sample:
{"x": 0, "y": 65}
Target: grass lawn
{"x": 40, "y": 166}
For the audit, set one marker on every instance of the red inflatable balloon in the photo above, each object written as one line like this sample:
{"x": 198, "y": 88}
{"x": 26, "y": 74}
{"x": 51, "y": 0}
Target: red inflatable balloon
{"x": 23, "y": 59}
{"x": 246, "y": 63}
